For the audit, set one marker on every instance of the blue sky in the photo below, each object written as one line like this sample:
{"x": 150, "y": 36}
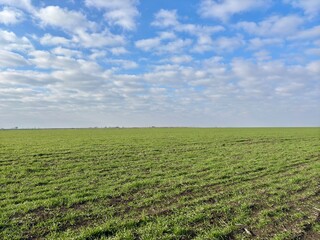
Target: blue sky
{"x": 214, "y": 63}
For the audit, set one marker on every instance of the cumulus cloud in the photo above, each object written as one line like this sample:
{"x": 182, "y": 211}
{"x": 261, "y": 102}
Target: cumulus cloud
{"x": 311, "y": 33}
{"x": 223, "y": 10}
{"x": 313, "y": 51}
{"x": 11, "y": 59}
{"x": 289, "y": 89}
{"x": 274, "y": 26}
{"x": 98, "y": 39}
{"x": 10, "y": 41}
{"x": 181, "y": 59}
{"x": 203, "y": 34}
{"x": 228, "y": 43}
{"x": 23, "y": 4}
{"x": 118, "y": 50}
{"x": 9, "y": 15}
{"x": 66, "y": 52}
{"x": 168, "y": 87}
{"x": 148, "y": 44}
{"x": 169, "y": 19}
{"x": 265, "y": 79}
{"x": 155, "y": 43}
{"x": 97, "y": 54}
{"x": 125, "y": 64}
{"x": 174, "y": 46}
{"x": 310, "y": 7}
{"x": 166, "y": 18}
{"x": 79, "y": 60}
{"x": 257, "y": 43}
{"x": 70, "y": 20}
{"x": 120, "y": 13}
{"x": 163, "y": 44}
{"x": 27, "y": 78}
{"x": 221, "y": 44}
{"x": 262, "y": 55}
{"x": 48, "y": 39}
{"x": 314, "y": 67}
{"x": 46, "y": 60}
{"x": 83, "y": 31}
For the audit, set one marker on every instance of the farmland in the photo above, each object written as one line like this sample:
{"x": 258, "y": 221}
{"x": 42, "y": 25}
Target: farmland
{"x": 160, "y": 183}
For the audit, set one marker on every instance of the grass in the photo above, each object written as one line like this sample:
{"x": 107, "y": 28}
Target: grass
{"x": 160, "y": 184}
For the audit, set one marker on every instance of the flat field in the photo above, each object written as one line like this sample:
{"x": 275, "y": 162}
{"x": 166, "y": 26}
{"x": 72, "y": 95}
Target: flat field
{"x": 160, "y": 183}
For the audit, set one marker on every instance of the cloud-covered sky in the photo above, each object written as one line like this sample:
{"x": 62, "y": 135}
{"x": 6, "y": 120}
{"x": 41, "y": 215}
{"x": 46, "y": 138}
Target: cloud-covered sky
{"x": 82, "y": 63}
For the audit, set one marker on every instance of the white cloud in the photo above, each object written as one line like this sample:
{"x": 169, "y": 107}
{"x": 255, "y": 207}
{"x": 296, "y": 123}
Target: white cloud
{"x": 203, "y": 34}
{"x": 221, "y": 44}
{"x": 78, "y": 80}
{"x": 69, "y": 20}
{"x": 317, "y": 42}
{"x": 97, "y": 54}
{"x": 223, "y": 10}
{"x": 9, "y": 41}
{"x": 313, "y": 51}
{"x": 84, "y": 32}
{"x": 264, "y": 79}
{"x": 166, "y": 18}
{"x": 314, "y": 67}
{"x": 262, "y": 55}
{"x": 121, "y": 13}
{"x": 256, "y": 43}
{"x": 199, "y": 30}
{"x": 181, "y": 59}
{"x": 74, "y": 69}
{"x": 274, "y": 26}
{"x": 203, "y": 44}
{"x": 169, "y": 19}
{"x": 310, "y": 7}
{"x": 47, "y": 60}
{"x": 48, "y": 39}
{"x": 30, "y": 78}
{"x": 167, "y": 35}
{"x": 175, "y": 46}
{"x": 310, "y": 33}
{"x": 228, "y": 43}
{"x": 162, "y": 45}
{"x": 125, "y": 64}
{"x": 66, "y": 52}
{"x": 148, "y": 44}
{"x": 10, "y": 15}
{"x": 164, "y": 75}
{"x": 226, "y": 90}
{"x": 289, "y": 89}
{"x": 118, "y": 50}
{"x": 23, "y": 4}
{"x": 7, "y": 37}
{"x": 11, "y": 59}
{"x": 96, "y": 40}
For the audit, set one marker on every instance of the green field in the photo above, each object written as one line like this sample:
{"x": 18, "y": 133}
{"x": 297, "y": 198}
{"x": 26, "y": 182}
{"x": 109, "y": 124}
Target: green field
{"x": 160, "y": 183}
